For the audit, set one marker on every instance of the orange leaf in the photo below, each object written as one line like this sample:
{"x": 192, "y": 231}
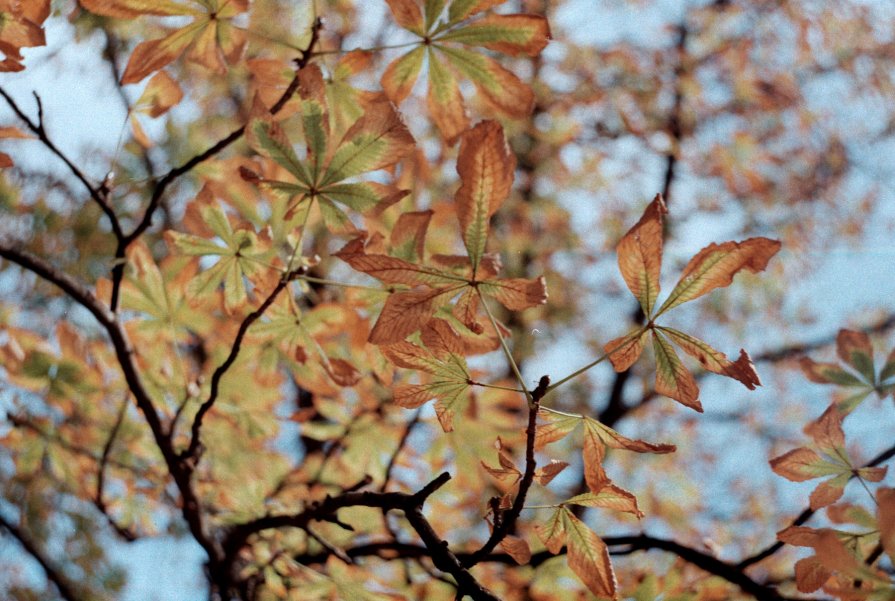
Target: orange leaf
{"x": 553, "y": 532}
{"x": 516, "y": 548}
{"x": 161, "y": 93}
{"x": 885, "y": 499}
{"x": 498, "y": 86}
{"x": 408, "y": 15}
{"x": 517, "y": 294}
{"x": 128, "y": 9}
{"x": 342, "y": 372}
{"x": 672, "y": 378}
{"x": 401, "y": 74}
{"x": 810, "y": 574}
{"x": 797, "y": 465}
{"x": 509, "y": 34}
{"x": 589, "y": 558}
{"x": 485, "y": 165}
{"x": 439, "y": 337}
{"x": 624, "y": 351}
{"x": 827, "y": 430}
{"x": 855, "y": 349}
{"x": 714, "y": 361}
{"x": 403, "y": 314}
{"x": 154, "y": 54}
{"x": 640, "y": 256}
{"x": 545, "y": 474}
{"x": 716, "y": 264}
{"x": 408, "y": 237}
{"x": 388, "y": 269}
{"x": 444, "y": 100}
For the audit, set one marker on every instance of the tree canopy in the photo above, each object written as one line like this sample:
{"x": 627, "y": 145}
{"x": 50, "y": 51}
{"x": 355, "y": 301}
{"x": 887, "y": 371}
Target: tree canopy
{"x": 447, "y": 299}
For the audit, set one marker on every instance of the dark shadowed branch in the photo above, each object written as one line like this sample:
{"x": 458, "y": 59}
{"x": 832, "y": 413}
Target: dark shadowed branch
{"x": 59, "y": 580}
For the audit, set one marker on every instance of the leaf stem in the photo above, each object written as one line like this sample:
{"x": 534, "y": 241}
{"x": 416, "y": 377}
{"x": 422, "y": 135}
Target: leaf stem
{"x": 326, "y": 282}
{"x": 371, "y": 49}
{"x": 495, "y": 386}
{"x": 506, "y": 349}
{"x": 595, "y": 362}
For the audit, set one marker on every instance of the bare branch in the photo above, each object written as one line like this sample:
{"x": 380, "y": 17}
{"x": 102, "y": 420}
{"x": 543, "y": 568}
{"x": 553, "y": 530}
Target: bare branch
{"x": 193, "y": 449}
{"x": 37, "y": 128}
{"x": 507, "y": 521}
{"x": 59, "y": 580}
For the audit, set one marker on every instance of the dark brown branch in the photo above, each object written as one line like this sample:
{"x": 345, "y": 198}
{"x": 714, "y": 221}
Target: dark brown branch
{"x": 410, "y": 504}
{"x": 166, "y": 180}
{"x": 505, "y": 522}
{"x": 38, "y": 129}
{"x": 806, "y": 514}
{"x": 180, "y": 471}
{"x": 59, "y": 580}
{"x": 619, "y": 545}
{"x": 98, "y": 501}
{"x": 194, "y": 447}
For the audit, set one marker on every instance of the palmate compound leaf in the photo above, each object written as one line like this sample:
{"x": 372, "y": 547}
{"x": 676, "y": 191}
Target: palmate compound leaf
{"x": 448, "y": 380}
{"x": 587, "y": 554}
{"x": 213, "y": 39}
{"x": 802, "y": 464}
{"x": 859, "y": 377}
{"x": 639, "y": 260}
{"x": 377, "y": 140}
{"x": 441, "y": 45}
{"x": 243, "y": 252}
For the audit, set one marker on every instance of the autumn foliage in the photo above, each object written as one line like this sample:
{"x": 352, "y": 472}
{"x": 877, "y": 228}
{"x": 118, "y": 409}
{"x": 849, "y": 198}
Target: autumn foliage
{"x": 299, "y": 324}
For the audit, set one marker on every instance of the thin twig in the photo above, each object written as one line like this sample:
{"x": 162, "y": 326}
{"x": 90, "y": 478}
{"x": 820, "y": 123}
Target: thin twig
{"x": 192, "y": 451}
{"x": 122, "y": 531}
{"x": 507, "y": 521}
{"x": 54, "y": 575}
{"x": 38, "y": 129}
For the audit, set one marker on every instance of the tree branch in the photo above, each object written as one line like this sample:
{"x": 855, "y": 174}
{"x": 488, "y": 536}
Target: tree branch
{"x": 98, "y": 194}
{"x": 624, "y": 546}
{"x": 193, "y": 450}
{"x": 180, "y": 471}
{"x": 59, "y": 580}
{"x": 411, "y": 504}
{"x": 175, "y": 172}
{"x": 806, "y": 514}
{"x": 507, "y": 521}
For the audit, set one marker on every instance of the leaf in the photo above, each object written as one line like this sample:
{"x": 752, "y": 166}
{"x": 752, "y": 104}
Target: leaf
{"x": 403, "y": 314}
{"x": 672, "y": 378}
{"x": 516, "y": 294}
{"x": 553, "y": 532}
{"x": 128, "y": 9}
{"x": 716, "y": 264}
{"x": 408, "y": 237}
{"x": 827, "y": 373}
{"x": 828, "y": 492}
{"x": 500, "y": 87}
{"x": 614, "y": 440}
{"x": 401, "y": 74}
{"x": 461, "y": 9}
{"x": 485, "y": 165}
{"x": 640, "y": 256}
{"x": 589, "y": 557}
{"x": 742, "y": 370}
{"x": 314, "y": 115}
{"x": 377, "y": 140}
{"x": 609, "y": 496}
{"x": 855, "y": 349}
{"x": 804, "y": 464}
{"x": 408, "y": 15}
{"x": 266, "y": 137}
{"x": 555, "y": 428}
{"x": 154, "y": 54}
{"x": 624, "y": 351}
{"x": 546, "y": 473}
{"x": 449, "y": 383}
{"x": 811, "y": 574}
{"x": 516, "y": 548}
{"x": 827, "y": 431}
{"x": 160, "y": 94}
{"x": 391, "y": 270}
{"x": 885, "y": 500}
{"x": 509, "y": 34}
{"x": 444, "y": 100}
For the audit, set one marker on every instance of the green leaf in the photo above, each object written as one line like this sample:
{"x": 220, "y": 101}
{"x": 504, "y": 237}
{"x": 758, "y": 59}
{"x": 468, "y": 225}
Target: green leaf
{"x": 266, "y": 137}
